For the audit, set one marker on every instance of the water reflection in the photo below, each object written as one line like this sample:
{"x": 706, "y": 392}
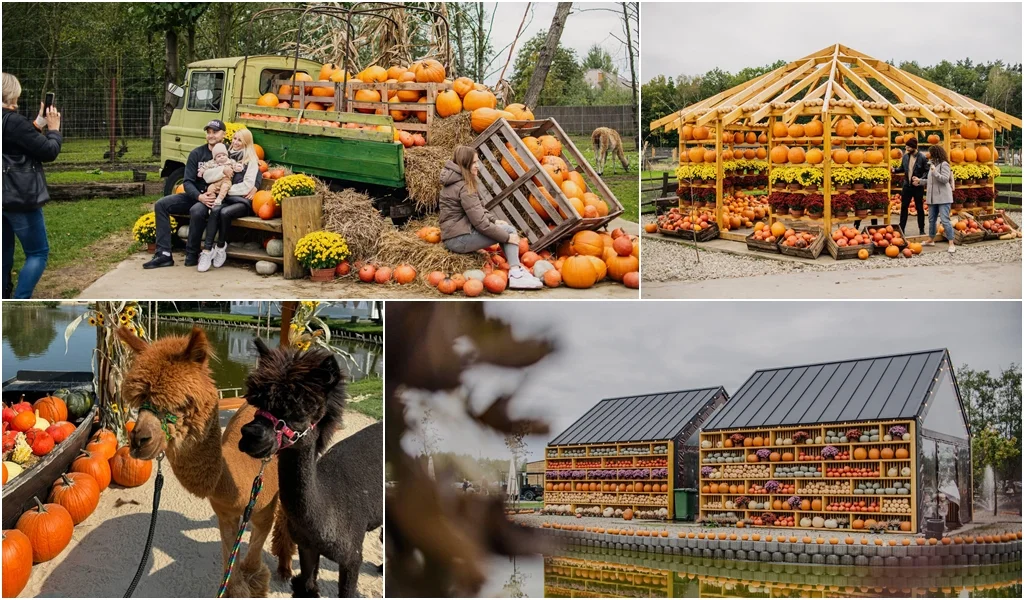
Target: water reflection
{"x": 33, "y": 339}
{"x": 639, "y": 575}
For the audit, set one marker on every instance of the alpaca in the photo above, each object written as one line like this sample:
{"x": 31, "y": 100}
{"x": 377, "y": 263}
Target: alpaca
{"x": 605, "y": 140}
{"x": 172, "y": 376}
{"x": 332, "y": 502}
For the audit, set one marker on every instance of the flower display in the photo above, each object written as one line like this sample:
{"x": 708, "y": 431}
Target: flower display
{"x": 768, "y": 518}
{"x": 659, "y": 473}
{"x": 144, "y": 229}
{"x": 292, "y": 185}
{"x": 800, "y": 437}
{"x": 771, "y": 486}
{"x": 706, "y": 471}
{"x": 741, "y": 501}
{"x": 737, "y": 439}
{"x": 321, "y": 250}
{"x": 230, "y": 129}
{"x": 698, "y": 171}
{"x": 829, "y": 452}
{"x": 897, "y": 431}
{"x": 763, "y": 453}
{"x": 793, "y": 502}
{"x": 853, "y": 434}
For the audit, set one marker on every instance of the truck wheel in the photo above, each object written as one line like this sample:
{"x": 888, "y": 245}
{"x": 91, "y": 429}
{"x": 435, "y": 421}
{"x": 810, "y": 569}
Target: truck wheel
{"x": 528, "y": 495}
{"x": 176, "y": 177}
{"x": 400, "y": 222}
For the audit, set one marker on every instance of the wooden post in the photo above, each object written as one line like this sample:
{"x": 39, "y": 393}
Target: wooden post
{"x": 887, "y": 122}
{"x": 287, "y": 312}
{"x": 299, "y": 215}
{"x": 826, "y": 175}
{"x": 718, "y": 173}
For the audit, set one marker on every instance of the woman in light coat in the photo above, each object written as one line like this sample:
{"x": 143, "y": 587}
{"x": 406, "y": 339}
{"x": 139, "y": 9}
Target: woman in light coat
{"x": 939, "y": 191}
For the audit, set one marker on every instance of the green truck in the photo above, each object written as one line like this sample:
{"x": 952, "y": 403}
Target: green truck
{"x": 228, "y": 88}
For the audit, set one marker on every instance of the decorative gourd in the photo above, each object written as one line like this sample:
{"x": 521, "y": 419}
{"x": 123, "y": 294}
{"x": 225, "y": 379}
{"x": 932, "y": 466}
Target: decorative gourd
{"x": 51, "y": 408}
{"x": 78, "y": 493}
{"x": 94, "y": 465}
{"x": 805, "y": 522}
{"x": 448, "y": 103}
{"x": 479, "y": 99}
{"x": 17, "y": 562}
{"x": 831, "y": 524}
{"x": 48, "y": 528}
{"x": 970, "y": 131}
{"x": 78, "y": 402}
{"x": 275, "y": 247}
{"x": 902, "y": 453}
{"x": 429, "y": 71}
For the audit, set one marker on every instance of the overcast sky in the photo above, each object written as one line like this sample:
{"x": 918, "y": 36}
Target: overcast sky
{"x": 589, "y": 23}
{"x": 693, "y": 38}
{"x": 609, "y": 349}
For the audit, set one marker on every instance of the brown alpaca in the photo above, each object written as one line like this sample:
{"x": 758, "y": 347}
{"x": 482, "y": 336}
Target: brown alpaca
{"x": 172, "y": 375}
{"x": 605, "y": 140}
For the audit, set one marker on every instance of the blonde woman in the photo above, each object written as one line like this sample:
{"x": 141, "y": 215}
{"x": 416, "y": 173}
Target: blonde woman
{"x": 466, "y": 226}
{"x": 24, "y": 191}
{"x": 939, "y": 185}
{"x": 237, "y": 204}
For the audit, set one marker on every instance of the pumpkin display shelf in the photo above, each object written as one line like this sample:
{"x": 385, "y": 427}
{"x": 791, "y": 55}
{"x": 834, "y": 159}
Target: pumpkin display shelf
{"x": 565, "y": 577}
{"x": 839, "y": 483}
{"x": 609, "y": 457}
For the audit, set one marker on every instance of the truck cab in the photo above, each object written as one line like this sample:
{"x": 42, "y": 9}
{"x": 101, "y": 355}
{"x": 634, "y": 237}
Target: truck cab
{"x": 211, "y": 92}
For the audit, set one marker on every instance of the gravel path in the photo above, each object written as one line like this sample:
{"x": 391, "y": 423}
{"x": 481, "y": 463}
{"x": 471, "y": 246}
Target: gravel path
{"x": 671, "y": 261}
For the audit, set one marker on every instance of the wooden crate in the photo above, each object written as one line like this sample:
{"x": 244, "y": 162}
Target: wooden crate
{"x": 844, "y": 252}
{"x": 761, "y": 246}
{"x": 813, "y": 250}
{"x": 713, "y": 443}
{"x": 704, "y": 235}
{"x": 343, "y": 99}
{"x": 878, "y": 249}
{"x": 1000, "y": 214}
{"x": 509, "y": 197}
{"x": 609, "y": 456}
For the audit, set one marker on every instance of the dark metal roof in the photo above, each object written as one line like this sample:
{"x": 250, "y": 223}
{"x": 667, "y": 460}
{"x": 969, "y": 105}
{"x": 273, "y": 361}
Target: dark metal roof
{"x": 638, "y": 418}
{"x": 886, "y": 387}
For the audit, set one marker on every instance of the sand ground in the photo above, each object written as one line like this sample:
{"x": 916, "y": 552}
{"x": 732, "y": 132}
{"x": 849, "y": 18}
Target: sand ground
{"x": 104, "y": 553}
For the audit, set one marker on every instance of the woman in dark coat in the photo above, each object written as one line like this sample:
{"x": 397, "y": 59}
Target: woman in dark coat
{"x": 25, "y": 222}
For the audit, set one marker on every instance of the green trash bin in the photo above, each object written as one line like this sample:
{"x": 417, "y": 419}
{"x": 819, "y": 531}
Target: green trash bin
{"x": 685, "y": 504}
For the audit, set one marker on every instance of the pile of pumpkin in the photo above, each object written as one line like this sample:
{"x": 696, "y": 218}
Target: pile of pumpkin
{"x": 798, "y": 239}
{"x": 698, "y": 154}
{"x": 997, "y": 226}
{"x": 891, "y": 241}
{"x": 740, "y": 210}
{"x": 967, "y": 225}
{"x": 896, "y": 204}
{"x": 588, "y": 258}
{"x": 770, "y": 235}
{"x": 44, "y": 531}
{"x": 677, "y": 220}
{"x": 31, "y": 431}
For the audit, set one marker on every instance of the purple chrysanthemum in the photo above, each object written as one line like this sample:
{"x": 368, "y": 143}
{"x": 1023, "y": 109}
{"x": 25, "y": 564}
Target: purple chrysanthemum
{"x": 707, "y": 471}
{"x": 763, "y": 453}
{"x": 829, "y": 452}
{"x": 771, "y": 487}
{"x": 897, "y": 431}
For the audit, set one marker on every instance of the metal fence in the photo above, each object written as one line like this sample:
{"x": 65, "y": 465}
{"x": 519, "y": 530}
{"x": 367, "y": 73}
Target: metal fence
{"x": 96, "y": 99}
{"x": 583, "y": 120}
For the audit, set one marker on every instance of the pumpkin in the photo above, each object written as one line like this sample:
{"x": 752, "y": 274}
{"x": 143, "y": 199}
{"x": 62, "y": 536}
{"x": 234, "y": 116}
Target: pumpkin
{"x": 448, "y": 103}
{"x": 796, "y": 155}
{"x": 132, "y": 472}
{"x": 779, "y": 129}
{"x": 268, "y": 100}
{"x": 695, "y": 154}
{"x": 864, "y": 129}
{"x": 775, "y": 457}
{"x": 51, "y": 408}
{"x": 863, "y": 254}
{"x": 520, "y": 112}
{"x": 78, "y": 493}
{"x": 983, "y": 154}
{"x": 94, "y": 465}
{"x": 886, "y": 453}
{"x": 787, "y": 457}
{"x": 48, "y": 528}
{"x": 846, "y": 127}
{"x": 482, "y": 118}
{"x": 815, "y": 156}
{"x": 17, "y": 562}
{"x": 701, "y": 133}
{"x": 599, "y": 267}
{"x": 577, "y": 178}
{"x": 588, "y": 243}
{"x": 873, "y": 454}
{"x": 857, "y": 524}
{"x": 758, "y": 440}
{"x": 873, "y": 157}
{"x": 365, "y": 95}
{"x": 446, "y": 286}
{"x": 796, "y": 130}
{"x": 970, "y": 155}
{"x": 860, "y": 454}
{"x": 814, "y": 128}
{"x": 102, "y": 446}
{"x": 627, "y": 514}
{"x": 462, "y": 86}
{"x": 780, "y": 154}
{"x": 970, "y": 130}
{"x": 902, "y": 453}
{"x": 23, "y": 421}
{"x": 479, "y": 99}
{"x": 878, "y": 131}
{"x": 816, "y": 505}
{"x": 495, "y": 283}
{"x": 405, "y": 274}
{"x": 622, "y": 245}
{"x": 578, "y": 271}
{"x": 473, "y": 288}
{"x": 632, "y": 280}
{"x": 428, "y": 71}
{"x": 571, "y": 190}
{"x": 619, "y": 266}
{"x": 382, "y": 275}
{"x": 856, "y": 157}
{"x": 933, "y": 139}
{"x": 840, "y": 156}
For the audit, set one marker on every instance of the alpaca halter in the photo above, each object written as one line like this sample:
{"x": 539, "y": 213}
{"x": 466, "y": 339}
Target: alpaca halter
{"x": 165, "y": 418}
{"x": 283, "y": 431}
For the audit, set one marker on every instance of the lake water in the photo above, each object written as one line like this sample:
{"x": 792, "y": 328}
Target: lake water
{"x": 567, "y": 574}
{"x": 33, "y": 339}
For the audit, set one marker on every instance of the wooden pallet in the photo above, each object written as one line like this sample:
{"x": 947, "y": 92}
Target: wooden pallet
{"x": 508, "y": 197}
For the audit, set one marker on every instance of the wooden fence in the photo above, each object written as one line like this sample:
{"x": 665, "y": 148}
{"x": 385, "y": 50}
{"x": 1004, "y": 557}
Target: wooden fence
{"x": 583, "y": 120}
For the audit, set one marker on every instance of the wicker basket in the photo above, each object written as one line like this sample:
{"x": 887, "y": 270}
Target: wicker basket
{"x": 760, "y": 245}
{"x": 879, "y": 249}
{"x": 813, "y": 250}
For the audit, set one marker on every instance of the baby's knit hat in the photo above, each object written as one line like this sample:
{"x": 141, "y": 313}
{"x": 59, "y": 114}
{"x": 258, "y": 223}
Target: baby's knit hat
{"x": 219, "y": 149}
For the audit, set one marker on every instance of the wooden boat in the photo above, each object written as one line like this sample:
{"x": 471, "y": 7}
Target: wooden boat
{"x": 37, "y": 479}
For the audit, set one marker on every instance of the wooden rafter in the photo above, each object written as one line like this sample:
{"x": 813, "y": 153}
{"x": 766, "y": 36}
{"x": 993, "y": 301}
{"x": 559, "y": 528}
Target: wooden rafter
{"x": 872, "y": 92}
{"x": 764, "y": 94}
{"x": 792, "y": 91}
{"x": 831, "y": 80}
{"x": 858, "y": 108}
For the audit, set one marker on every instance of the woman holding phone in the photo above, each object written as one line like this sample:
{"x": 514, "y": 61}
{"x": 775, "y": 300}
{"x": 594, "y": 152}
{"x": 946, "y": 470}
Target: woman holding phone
{"x": 939, "y": 184}
{"x": 25, "y": 148}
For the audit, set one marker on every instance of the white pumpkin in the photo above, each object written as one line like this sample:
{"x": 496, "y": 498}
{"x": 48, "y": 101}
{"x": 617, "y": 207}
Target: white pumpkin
{"x": 41, "y": 423}
{"x": 705, "y": 444}
{"x": 906, "y": 437}
{"x": 13, "y": 469}
{"x": 474, "y": 274}
{"x": 831, "y": 524}
{"x": 540, "y": 267}
{"x": 275, "y": 247}
{"x": 905, "y": 471}
{"x": 893, "y": 472}
{"x": 805, "y": 522}
{"x": 818, "y": 522}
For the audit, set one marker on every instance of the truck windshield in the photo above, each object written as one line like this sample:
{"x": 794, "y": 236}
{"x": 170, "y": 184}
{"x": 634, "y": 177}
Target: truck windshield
{"x": 205, "y": 91}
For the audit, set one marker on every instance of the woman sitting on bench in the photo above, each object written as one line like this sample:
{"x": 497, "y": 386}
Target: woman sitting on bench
{"x": 236, "y": 205}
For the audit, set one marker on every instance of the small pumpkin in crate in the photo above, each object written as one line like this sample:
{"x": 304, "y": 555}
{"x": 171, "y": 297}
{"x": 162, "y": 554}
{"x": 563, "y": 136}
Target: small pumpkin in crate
{"x": 127, "y": 471}
{"x": 48, "y": 528}
{"x": 79, "y": 493}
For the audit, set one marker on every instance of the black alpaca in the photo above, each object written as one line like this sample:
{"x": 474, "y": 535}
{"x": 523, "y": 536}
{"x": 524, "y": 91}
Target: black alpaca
{"x": 330, "y": 501}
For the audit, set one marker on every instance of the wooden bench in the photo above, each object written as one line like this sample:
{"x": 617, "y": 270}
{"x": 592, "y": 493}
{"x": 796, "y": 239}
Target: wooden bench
{"x": 299, "y": 215}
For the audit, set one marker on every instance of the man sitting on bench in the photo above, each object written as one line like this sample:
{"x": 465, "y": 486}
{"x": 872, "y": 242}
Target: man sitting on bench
{"x": 195, "y": 201}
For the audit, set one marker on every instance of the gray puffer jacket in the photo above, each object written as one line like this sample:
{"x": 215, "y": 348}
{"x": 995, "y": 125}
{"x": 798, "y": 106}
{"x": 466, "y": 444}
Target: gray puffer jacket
{"x": 461, "y": 211}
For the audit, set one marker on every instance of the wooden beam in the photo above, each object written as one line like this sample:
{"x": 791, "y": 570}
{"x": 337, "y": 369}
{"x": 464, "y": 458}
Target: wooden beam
{"x": 857, "y": 106}
{"x": 831, "y": 78}
{"x": 765, "y": 94}
{"x": 903, "y": 95}
{"x": 957, "y": 99}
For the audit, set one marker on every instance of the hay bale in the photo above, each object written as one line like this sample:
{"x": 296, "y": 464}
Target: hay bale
{"x": 401, "y": 246}
{"x": 453, "y": 131}
{"x": 351, "y": 214}
{"x": 423, "y": 166}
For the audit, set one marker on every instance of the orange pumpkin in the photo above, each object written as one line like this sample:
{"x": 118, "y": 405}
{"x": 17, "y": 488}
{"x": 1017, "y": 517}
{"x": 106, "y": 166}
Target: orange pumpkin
{"x": 429, "y": 71}
{"x": 579, "y": 272}
{"x": 846, "y": 127}
{"x": 127, "y": 471}
{"x": 902, "y": 453}
{"x": 886, "y": 453}
{"x": 482, "y": 118}
{"x": 79, "y": 493}
{"x": 462, "y": 86}
{"x": 448, "y": 103}
{"x": 17, "y": 562}
{"x": 588, "y": 243}
{"x": 93, "y": 465}
{"x": 479, "y": 99}
{"x": 48, "y": 527}
{"x": 51, "y": 408}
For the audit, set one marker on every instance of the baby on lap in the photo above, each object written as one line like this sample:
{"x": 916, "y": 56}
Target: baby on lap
{"x": 218, "y": 173}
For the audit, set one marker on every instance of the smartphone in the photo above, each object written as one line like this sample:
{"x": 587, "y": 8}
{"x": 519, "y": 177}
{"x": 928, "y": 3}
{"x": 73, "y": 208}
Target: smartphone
{"x": 48, "y": 102}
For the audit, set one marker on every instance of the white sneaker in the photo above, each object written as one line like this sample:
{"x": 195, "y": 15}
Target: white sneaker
{"x": 205, "y": 259}
{"x": 520, "y": 279}
{"x": 220, "y": 255}
{"x": 952, "y": 249}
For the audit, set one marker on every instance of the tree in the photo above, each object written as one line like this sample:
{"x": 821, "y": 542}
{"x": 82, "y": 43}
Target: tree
{"x": 598, "y": 58}
{"x": 989, "y": 448}
{"x": 169, "y": 18}
{"x": 546, "y": 54}
{"x": 993, "y": 406}
{"x": 565, "y": 84}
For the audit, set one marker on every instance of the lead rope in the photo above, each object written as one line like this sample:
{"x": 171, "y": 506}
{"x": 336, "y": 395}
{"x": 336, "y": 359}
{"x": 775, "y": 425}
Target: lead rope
{"x": 257, "y": 485}
{"x": 152, "y": 525}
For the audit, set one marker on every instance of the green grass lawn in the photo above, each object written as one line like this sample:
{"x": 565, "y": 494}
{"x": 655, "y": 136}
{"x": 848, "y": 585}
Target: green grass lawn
{"x": 622, "y": 184}
{"x": 335, "y": 324}
{"x": 372, "y": 390}
{"x": 524, "y": 504}
{"x": 95, "y": 176}
{"x": 140, "y": 150}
